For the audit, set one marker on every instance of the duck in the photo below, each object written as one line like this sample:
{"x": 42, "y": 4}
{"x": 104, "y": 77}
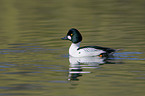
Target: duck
{"x": 75, "y": 50}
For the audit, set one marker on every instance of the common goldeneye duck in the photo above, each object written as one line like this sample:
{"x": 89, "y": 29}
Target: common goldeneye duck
{"x": 76, "y": 51}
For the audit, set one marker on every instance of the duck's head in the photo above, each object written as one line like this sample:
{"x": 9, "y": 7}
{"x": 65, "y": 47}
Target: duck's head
{"x": 73, "y": 35}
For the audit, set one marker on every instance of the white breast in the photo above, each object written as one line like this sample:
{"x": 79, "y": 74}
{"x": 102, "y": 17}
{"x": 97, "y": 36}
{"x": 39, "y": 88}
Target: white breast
{"x": 73, "y": 49}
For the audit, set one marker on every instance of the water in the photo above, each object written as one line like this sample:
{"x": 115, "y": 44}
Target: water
{"x": 35, "y": 62}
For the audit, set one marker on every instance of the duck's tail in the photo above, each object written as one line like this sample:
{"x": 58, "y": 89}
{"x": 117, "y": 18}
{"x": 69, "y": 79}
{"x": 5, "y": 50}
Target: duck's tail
{"x": 118, "y": 49}
{"x": 109, "y": 52}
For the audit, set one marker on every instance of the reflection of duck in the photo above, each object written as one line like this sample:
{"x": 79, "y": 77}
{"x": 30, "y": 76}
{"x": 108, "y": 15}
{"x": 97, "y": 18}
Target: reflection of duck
{"x": 78, "y": 63}
{"x": 76, "y": 51}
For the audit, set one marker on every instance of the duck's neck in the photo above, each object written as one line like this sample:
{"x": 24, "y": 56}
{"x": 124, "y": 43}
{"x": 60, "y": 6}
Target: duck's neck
{"x": 75, "y": 45}
{"x": 73, "y": 48}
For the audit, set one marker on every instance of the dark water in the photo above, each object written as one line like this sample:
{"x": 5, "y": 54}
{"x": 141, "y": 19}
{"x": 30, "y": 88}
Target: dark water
{"x": 35, "y": 62}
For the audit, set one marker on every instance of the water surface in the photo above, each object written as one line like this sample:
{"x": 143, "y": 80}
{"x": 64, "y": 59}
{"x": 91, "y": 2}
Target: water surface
{"x": 34, "y": 60}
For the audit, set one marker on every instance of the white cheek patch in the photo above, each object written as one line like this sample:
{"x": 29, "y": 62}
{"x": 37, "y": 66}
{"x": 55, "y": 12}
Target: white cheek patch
{"x": 69, "y": 37}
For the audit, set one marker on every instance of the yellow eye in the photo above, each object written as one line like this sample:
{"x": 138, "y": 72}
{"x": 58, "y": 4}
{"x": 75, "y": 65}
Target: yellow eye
{"x": 71, "y": 34}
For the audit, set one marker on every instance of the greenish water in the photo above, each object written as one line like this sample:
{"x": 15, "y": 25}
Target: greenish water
{"x": 34, "y": 60}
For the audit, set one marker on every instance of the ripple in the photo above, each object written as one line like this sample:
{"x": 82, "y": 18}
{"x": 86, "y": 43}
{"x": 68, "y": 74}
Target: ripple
{"x": 4, "y": 67}
{"x": 58, "y": 81}
{"x": 128, "y": 55}
{"x": 8, "y": 51}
